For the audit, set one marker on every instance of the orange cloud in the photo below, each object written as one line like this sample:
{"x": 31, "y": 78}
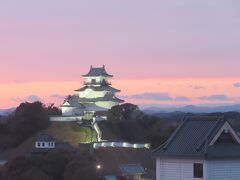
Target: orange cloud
{"x": 174, "y": 87}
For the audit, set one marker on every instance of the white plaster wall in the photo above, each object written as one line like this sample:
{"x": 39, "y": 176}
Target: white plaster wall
{"x": 106, "y": 104}
{"x": 67, "y": 111}
{"x": 98, "y": 79}
{"x": 89, "y": 93}
{"x": 120, "y": 144}
{"x": 43, "y": 144}
{"x": 177, "y": 169}
{"x": 65, "y": 119}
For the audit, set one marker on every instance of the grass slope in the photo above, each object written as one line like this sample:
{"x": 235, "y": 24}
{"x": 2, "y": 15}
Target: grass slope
{"x": 64, "y": 131}
{"x": 71, "y": 132}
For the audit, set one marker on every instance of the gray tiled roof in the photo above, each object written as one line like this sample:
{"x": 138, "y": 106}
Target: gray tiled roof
{"x": 99, "y": 71}
{"x": 131, "y": 169}
{"x": 44, "y": 137}
{"x": 74, "y": 101}
{"x": 109, "y": 97}
{"x": 100, "y": 88}
{"x": 192, "y": 138}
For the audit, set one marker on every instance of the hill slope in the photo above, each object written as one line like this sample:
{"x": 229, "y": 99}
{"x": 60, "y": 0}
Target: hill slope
{"x": 69, "y": 132}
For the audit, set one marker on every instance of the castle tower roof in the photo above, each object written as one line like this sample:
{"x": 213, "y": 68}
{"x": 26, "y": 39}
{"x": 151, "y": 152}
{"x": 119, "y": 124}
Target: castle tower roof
{"x": 100, "y": 88}
{"x": 97, "y": 71}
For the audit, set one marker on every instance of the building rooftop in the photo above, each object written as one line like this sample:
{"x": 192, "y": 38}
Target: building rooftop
{"x": 202, "y": 136}
{"x": 44, "y": 137}
{"x": 107, "y": 97}
{"x": 59, "y": 145}
{"x": 97, "y": 71}
{"x": 130, "y": 169}
{"x": 73, "y": 101}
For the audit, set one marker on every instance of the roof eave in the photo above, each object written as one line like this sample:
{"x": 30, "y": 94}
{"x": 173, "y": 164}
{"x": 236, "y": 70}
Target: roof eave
{"x": 202, "y": 156}
{"x": 103, "y": 75}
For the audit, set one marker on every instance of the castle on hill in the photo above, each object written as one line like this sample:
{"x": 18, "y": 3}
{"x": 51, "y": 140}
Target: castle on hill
{"x": 94, "y": 99}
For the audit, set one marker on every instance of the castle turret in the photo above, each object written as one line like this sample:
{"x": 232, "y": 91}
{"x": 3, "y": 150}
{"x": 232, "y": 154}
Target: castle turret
{"x": 95, "y": 98}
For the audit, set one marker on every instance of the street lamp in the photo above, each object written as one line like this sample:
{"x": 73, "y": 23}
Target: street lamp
{"x": 98, "y": 166}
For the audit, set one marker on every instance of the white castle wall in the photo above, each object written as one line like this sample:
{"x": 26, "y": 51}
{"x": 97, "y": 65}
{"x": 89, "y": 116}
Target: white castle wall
{"x": 65, "y": 118}
{"x": 89, "y": 93}
{"x": 67, "y": 111}
{"x": 106, "y": 104}
{"x": 120, "y": 144}
{"x": 97, "y": 78}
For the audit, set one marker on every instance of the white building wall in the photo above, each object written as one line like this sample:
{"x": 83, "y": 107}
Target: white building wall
{"x": 97, "y": 78}
{"x": 45, "y": 144}
{"x": 177, "y": 169}
{"x": 67, "y": 111}
{"x": 106, "y": 104}
{"x": 223, "y": 169}
{"x": 89, "y": 93}
{"x": 66, "y": 118}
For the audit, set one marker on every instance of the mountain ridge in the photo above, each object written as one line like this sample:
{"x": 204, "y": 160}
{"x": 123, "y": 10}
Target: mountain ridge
{"x": 192, "y": 109}
{"x": 6, "y": 112}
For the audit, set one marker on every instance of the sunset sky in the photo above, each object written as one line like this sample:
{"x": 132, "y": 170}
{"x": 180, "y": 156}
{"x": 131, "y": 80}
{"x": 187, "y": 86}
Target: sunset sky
{"x": 161, "y": 52}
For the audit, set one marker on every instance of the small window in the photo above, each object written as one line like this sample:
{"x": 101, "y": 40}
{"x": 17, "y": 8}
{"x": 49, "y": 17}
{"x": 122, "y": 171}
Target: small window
{"x": 43, "y": 144}
{"x": 38, "y": 144}
{"x": 198, "y": 170}
{"x": 94, "y": 81}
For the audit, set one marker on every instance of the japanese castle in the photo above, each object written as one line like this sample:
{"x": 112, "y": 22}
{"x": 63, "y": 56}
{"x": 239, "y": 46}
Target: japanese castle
{"x": 94, "y": 99}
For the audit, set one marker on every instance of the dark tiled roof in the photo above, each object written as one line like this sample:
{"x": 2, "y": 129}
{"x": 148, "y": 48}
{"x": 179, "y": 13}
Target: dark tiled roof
{"x": 131, "y": 169}
{"x": 192, "y": 139}
{"x": 100, "y": 88}
{"x": 108, "y": 97}
{"x": 74, "y": 101}
{"x": 99, "y": 71}
{"x": 44, "y": 137}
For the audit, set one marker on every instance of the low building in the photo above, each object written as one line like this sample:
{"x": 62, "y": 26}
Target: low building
{"x": 132, "y": 171}
{"x": 45, "y": 143}
{"x": 200, "y": 149}
{"x": 124, "y": 163}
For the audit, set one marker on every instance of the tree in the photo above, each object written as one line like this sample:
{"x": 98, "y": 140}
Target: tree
{"x": 18, "y": 165}
{"x": 80, "y": 169}
{"x": 28, "y": 119}
{"x": 35, "y": 173}
{"x": 53, "y": 110}
{"x": 55, "y": 163}
{"x": 60, "y": 165}
{"x": 123, "y": 112}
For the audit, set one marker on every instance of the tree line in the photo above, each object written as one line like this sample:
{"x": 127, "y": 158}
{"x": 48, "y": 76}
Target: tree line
{"x": 28, "y": 119}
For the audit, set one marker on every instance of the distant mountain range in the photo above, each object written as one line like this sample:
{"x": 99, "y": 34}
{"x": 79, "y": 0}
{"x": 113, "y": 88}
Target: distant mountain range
{"x": 5, "y": 112}
{"x": 192, "y": 109}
